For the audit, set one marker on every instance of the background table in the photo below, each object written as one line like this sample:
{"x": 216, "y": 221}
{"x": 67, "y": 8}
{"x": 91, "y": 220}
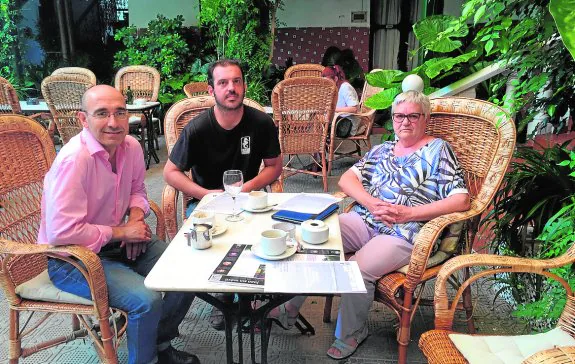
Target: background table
{"x": 182, "y": 268}
{"x": 147, "y": 109}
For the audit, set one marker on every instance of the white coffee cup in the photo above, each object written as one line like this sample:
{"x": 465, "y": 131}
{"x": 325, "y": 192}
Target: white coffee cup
{"x": 257, "y": 200}
{"x": 288, "y": 227}
{"x": 203, "y": 217}
{"x": 139, "y": 101}
{"x": 273, "y": 242}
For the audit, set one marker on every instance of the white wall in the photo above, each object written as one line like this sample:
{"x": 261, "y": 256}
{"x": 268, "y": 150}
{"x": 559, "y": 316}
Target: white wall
{"x": 322, "y": 13}
{"x": 142, "y": 11}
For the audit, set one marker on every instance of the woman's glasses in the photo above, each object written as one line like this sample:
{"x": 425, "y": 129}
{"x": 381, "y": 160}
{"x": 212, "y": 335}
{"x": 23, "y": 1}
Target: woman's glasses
{"x": 413, "y": 117}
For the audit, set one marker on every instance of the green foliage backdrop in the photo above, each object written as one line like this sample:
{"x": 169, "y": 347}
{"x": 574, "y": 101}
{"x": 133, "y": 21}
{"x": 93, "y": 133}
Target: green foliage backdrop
{"x": 235, "y": 32}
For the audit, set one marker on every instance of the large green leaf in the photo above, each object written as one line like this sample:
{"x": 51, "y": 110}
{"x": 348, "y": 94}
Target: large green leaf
{"x": 382, "y": 100}
{"x": 563, "y": 12}
{"x": 435, "y": 66}
{"x": 436, "y": 32}
{"x": 384, "y": 78}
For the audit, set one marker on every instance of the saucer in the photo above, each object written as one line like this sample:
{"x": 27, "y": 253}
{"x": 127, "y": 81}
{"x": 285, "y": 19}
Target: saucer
{"x": 264, "y": 209}
{"x": 219, "y": 229}
{"x": 291, "y": 250}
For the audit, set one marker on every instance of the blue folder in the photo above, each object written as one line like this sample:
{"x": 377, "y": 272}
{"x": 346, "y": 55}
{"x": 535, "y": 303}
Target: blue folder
{"x": 299, "y": 217}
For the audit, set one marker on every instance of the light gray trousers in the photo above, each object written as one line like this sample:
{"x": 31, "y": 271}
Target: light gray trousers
{"x": 376, "y": 255}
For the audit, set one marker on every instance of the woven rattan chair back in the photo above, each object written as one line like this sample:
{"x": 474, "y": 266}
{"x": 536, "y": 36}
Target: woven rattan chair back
{"x": 177, "y": 117}
{"x": 481, "y": 135}
{"x": 361, "y": 140}
{"x": 196, "y": 89}
{"x": 63, "y": 94}
{"x": 26, "y": 154}
{"x": 9, "y": 103}
{"x": 303, "y": 107}
{"x": 304, "y": 70}
{"x": 84, "y": 73}
{"x": 367, "y": 92}
{"x": 144, "y": 81}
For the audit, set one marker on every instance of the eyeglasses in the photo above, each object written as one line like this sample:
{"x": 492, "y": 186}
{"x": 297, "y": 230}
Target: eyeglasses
{"x": 104, "y": 114}
{"x": 413, "y": 117}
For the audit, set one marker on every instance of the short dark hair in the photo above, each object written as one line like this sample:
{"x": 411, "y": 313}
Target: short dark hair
{"x": 223, "y": 63}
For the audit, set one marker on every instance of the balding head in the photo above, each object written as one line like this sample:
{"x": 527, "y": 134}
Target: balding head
{"x": 97, "y": 91}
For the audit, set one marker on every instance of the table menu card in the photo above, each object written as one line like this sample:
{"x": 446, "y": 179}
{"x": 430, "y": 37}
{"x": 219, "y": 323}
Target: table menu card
{"x": 241, "y": 267}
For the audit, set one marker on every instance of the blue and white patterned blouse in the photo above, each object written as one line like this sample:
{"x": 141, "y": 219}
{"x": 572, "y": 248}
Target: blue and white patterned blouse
{"x": 429, "y": 174}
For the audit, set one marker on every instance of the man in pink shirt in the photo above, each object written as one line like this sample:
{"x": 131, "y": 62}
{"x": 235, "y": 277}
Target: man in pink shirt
{"x": 96, "y": 181}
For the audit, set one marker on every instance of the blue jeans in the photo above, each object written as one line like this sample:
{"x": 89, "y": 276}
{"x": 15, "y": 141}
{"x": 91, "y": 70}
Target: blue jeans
{"x": 152, "y": 321}
{"x": 191, "y": 207}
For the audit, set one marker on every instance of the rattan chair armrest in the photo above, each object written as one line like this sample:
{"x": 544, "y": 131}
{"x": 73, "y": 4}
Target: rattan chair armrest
{"x": 339, "y": 194}
{"x": 169, "y": 210}
{"x": 444, "y": 312}
{"x": 424, "y": 242}
{"x": 160, "y": 221}
{"x": 276, "y": 187}
{"x": 91, "y": 266}
{"x": 558, "y": 355}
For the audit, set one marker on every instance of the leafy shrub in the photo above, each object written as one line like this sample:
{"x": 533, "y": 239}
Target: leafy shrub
{"x": 161, "y": 46}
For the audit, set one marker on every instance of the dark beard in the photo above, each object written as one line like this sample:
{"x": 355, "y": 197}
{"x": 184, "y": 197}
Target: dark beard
{"x": 223, "y": 107}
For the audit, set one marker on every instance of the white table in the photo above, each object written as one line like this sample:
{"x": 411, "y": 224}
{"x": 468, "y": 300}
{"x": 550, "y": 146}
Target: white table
{"x": 146, "y": 109}
{"x": 28, "y": 109}
{"x": 182, "y": 268}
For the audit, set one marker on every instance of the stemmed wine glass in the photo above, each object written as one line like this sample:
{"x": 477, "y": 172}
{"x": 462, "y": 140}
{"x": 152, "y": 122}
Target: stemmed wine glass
{"x": 233, "y": 182}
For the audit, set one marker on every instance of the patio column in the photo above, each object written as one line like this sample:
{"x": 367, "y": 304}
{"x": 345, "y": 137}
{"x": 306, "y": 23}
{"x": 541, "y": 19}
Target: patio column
{"x": 62, "y": 30}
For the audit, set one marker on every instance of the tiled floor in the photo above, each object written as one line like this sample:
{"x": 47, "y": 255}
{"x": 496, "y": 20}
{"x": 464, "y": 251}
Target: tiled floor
{"x": 285, "y": 346}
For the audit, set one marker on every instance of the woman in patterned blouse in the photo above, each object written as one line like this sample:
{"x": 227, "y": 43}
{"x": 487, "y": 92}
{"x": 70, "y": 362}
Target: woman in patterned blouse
{"x": 398, "y": 185}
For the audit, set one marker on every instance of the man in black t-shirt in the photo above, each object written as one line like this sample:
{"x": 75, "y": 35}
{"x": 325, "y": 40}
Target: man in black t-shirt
{"x": 227, "y": 136}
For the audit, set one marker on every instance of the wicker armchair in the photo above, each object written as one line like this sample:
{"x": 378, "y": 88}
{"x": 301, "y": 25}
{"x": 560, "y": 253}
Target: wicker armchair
{"x": 85, "y": 73}
{"x": 26, "y": 154}
{"x": 436, "y": 344}
{"x": 177, "y": 117}
{"x": 483, "y": 138}
{"x": 63, "y": 94}
{"x": 303, "y": 108}
{"x": 196, "y": 89}
{"x": 366, "y": 117}
{"x": 304, "y": 70}
{"x": 9, "y": 103}
{"x": 144, "y": 81}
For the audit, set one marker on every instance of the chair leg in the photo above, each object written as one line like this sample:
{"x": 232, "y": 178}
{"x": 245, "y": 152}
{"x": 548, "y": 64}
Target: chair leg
{"x": 403, "y": 336}
{"x": 468, "y": 305}
{"x": 324, "y": 172}
{"x": 327, "y": 308}
{"x": 14, "y": 341}
{"x": 75, "y": 323}
{"x": 109, "y": 351}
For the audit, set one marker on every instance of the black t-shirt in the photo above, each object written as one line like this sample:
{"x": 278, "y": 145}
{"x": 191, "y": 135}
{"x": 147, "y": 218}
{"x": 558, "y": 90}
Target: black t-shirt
{"x": 208, "y": 149}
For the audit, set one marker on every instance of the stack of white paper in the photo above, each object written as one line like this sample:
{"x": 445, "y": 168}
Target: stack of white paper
{"x": 301, "y": 277}
{"x": 224, "y": 204}
{"x": 308, "y": 203}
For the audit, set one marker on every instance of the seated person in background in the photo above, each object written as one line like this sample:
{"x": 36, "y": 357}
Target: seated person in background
{"x": 96, "y": 181}
{"x": 347, "y": 102}
{"x": 228, "y": 136}
{"x": 399, "y": 185}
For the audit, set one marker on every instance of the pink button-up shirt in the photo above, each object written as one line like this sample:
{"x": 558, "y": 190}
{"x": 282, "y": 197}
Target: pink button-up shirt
{"x": 83, "y": 198}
